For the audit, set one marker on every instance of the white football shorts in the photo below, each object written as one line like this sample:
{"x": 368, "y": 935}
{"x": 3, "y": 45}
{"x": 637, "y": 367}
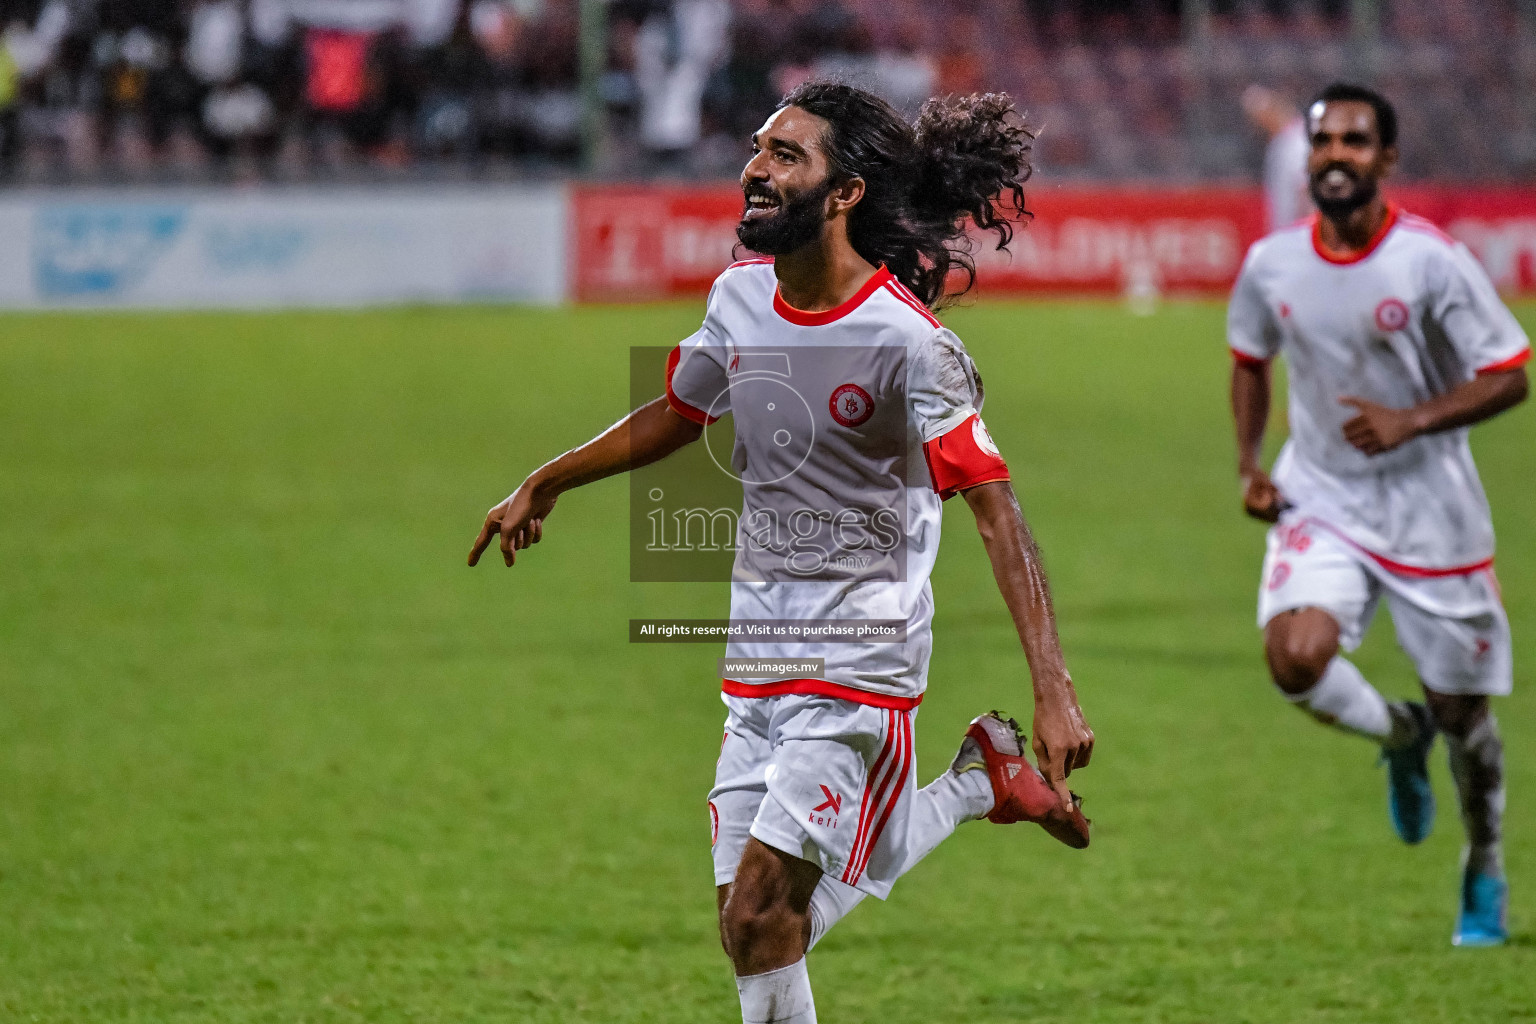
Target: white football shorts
{"x": 1452, "y": 627}
{"x": 823, "y": 779}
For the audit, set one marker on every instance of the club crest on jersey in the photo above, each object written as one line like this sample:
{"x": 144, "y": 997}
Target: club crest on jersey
{"x": 983, "y": 438}
{"x": 851, "y": 405}
{"x": 1392, "y": 315}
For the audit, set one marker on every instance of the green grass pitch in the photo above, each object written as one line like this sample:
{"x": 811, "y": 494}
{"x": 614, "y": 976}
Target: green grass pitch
{"x": 270, "y": 752}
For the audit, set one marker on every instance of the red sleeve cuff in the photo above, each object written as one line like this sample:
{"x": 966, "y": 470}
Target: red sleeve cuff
{"x": 1514, "y": 362}
{"x": 1244, "y": 359}
{"x": 679, "y": 406}
{"x": 964, "y": 457}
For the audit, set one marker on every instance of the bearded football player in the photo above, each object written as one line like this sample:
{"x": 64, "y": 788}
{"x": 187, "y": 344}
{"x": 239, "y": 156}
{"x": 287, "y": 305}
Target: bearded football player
{"x": 861, "y": 221}
{"x": 1396, "y": 344}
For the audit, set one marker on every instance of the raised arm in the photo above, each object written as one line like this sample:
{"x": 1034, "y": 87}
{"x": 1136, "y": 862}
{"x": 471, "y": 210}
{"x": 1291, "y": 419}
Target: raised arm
{"x": 650, "y": 433}
{"x": 1250, "y": 414}
{"x": 1376, "y": 428}
{"x": 1062, "y": 740}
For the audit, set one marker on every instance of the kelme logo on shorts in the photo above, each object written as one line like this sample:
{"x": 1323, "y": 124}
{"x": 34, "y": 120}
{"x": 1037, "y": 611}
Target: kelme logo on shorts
{"x": 833, "y": 804}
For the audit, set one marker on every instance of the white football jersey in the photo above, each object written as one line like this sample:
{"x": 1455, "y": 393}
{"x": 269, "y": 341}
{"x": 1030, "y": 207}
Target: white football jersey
{"x": 1407, "y": 319}
{"x": 851, "y": 427}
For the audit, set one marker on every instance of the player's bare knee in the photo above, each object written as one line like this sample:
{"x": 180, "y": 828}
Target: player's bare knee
{"x": 1298, "y": 646}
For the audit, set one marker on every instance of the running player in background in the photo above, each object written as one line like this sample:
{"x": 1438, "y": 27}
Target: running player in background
{"x": 1396, "y": 343}
{"x": 861, "y": 217}
{"x": 1285, "y": 155}
{"x": 1286, "y": 198}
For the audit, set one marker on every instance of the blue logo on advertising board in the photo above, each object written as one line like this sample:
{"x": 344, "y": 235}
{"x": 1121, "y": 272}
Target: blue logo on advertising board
{"x": 235, "y": 247}
{"x": 100, "y": 251}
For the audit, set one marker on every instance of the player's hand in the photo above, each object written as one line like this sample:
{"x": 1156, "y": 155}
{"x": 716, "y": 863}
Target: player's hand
{"x": 1377, "y": 429}
{"x": 518, "y": 522}
{"x": 1261, "y": 498}
{"x": 1061, "y": 740}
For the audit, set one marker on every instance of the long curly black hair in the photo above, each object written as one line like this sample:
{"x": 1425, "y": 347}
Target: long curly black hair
{"x": 965, "y": 159}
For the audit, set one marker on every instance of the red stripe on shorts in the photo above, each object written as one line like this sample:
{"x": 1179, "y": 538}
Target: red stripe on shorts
{"x": 870, "y": 798}
{"x": 1401, "y": 568}
{"x": 904, "y": 725}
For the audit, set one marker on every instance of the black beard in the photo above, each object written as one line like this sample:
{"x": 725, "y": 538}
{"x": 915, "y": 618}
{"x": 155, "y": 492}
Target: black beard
{"x": 797, "y": 224}
{"x": 1340, "y": 209}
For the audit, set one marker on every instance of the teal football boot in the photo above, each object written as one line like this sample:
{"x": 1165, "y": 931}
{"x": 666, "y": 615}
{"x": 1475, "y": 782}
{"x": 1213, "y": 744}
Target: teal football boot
{"x": 1483, "y": 918}
{"x": 1409, "y": 796}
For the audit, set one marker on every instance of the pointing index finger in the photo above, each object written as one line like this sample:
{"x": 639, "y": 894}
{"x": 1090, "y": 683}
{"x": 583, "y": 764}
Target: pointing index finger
{"x": 481, "y": 542}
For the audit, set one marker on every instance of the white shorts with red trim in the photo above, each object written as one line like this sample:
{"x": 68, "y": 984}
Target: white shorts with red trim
{"x": 823, "y": 779}
{"x": 1451, "y": 623}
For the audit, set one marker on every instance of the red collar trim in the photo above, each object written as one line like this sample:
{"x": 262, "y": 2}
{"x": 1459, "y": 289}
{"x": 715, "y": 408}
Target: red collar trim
{"x": 1387, "y": 223}
{"x": 821, "y": 319}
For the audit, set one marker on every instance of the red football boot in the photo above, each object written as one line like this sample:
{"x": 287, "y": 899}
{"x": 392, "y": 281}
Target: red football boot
{"x": 1020, "y": 793}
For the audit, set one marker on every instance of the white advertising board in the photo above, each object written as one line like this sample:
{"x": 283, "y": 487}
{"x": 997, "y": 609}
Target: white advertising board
{"x": 277, "y": 247}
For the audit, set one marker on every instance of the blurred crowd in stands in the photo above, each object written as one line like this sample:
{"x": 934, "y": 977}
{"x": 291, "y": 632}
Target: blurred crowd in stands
{"x": 193, "y": 90}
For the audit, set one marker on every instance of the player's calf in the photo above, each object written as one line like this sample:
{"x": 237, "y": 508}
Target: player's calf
{"x": 1456, "y": 714}
{"x": 765, "y": 918}
{"x": 1476, "y": 755}
{"x": 765, "y": 926}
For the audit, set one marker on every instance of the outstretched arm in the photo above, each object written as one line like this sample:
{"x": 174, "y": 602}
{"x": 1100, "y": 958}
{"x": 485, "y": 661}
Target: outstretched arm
{"x": 1062, "y": 739}
{"x": 651, "y": 432}
{"x": 1250, "y": 414}
{"x": 1378, "y": 429}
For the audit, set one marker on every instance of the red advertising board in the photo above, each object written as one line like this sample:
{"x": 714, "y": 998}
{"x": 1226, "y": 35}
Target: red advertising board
{"x": 1104, "y": 241}
{"x": 644, "y": 242}
{"x": 1499, "y": 225}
